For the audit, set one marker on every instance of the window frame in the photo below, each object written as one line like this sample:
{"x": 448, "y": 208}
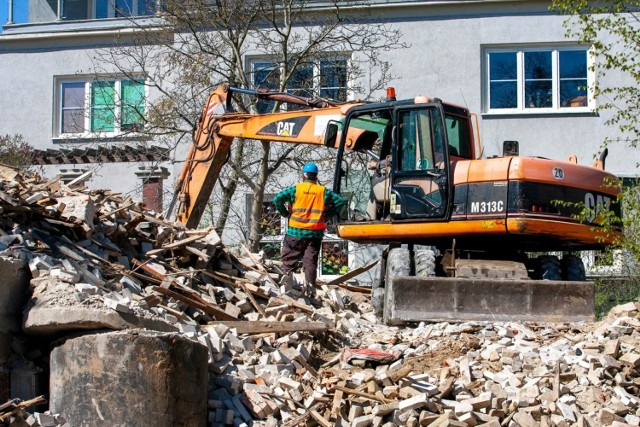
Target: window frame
{"x": 111, "y": 9}
{"x": 88, "y": 107}
{"x": 318, "y": 63}
{"x": 521, "y": 80}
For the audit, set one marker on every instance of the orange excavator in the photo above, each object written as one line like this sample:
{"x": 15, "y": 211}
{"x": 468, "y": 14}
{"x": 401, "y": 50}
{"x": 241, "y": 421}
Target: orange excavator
{"x": 463, "y": 233}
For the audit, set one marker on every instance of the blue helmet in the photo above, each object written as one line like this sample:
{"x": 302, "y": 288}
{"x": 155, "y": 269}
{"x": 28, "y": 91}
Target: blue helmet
{"x": 310, "y": 168}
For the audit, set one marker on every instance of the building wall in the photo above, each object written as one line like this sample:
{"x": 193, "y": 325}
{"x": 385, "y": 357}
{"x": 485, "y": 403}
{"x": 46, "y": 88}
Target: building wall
{"x": 27, "y": 107}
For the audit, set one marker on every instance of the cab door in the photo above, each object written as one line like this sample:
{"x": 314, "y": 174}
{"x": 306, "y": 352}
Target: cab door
{"x": 420, "y": 179}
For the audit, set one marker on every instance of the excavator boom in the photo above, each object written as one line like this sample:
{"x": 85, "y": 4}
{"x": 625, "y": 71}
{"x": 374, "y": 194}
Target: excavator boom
{"x": 219, "y": 125}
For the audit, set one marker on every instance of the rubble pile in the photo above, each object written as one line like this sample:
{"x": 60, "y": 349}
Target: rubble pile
{"x": 280, "y": 357}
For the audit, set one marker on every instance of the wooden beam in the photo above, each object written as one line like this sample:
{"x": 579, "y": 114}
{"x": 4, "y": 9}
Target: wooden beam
{"x": 150, "y": 271}
{"x": 293, "y": 303}
{"x": 264, "y": 326}
{"x": 19, "y": 407}
{"x": 352, "y": 273}
{"x": 207, "y": 308}
{"x": 361, "y": 394}
{"x": 179, "y": 243}
{"x": 320, "y": 419}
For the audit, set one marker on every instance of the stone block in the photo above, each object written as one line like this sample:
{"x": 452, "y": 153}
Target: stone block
{"x": 362, "y": 421}
{"x": 289, "y": 384}
{"x": 525, "y": 419}
{"x": 162, "y": 378}
{"x": 607, "y": 416}
{"x": 612, "y": 348}
{"x": 415, "y": 402}
{"x": 239, "y": 407}
{"x": 630, "y": 359}
{"x": 385, "y": 408}
{"x": 482, "y": 401}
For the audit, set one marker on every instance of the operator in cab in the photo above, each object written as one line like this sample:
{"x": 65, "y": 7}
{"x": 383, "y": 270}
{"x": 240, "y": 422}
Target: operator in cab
{"x": 306, "y": 205}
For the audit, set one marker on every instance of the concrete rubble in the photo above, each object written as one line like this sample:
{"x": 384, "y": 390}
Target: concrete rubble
{"x": 278, "y": 356}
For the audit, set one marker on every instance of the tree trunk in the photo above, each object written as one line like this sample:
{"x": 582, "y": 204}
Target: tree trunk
{"x": 255, "y": 233}
{"x": 230, "y": 190}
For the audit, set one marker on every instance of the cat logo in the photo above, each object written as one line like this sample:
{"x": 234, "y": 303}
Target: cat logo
{"x": 284, "y": 128}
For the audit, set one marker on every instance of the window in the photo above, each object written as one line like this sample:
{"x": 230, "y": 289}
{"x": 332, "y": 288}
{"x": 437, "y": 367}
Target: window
{"x": 106, "y": 107}
{"x": 537, "y": 80}
{"x": 102, "y": 9}
{"x": 458, "y": 135}
{"x": 124, "y": 8}
{"x": 421, "y": 140}
{"x": 325, "y": 78}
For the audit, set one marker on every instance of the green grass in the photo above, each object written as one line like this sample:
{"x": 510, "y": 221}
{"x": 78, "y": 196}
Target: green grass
{"x": 612, "y": 292}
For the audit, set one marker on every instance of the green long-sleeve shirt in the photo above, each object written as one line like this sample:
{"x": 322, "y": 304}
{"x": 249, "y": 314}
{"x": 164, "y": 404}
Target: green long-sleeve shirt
{"x": 333, "y": 202}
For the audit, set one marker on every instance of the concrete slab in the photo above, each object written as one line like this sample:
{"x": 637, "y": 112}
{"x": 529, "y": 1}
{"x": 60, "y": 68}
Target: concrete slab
{"x": 55, "y": 308}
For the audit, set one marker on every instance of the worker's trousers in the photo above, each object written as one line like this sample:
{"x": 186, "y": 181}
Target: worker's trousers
{"x": 294, "y": 249}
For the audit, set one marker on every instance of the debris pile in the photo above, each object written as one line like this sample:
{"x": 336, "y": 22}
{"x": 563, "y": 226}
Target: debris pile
{"x": 279, "y": 357}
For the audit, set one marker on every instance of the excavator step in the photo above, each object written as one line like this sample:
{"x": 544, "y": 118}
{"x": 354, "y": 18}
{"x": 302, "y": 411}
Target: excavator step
{"x": 416, "y": 299}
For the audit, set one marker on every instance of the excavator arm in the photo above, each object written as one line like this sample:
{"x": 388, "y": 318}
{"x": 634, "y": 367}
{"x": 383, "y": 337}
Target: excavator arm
{"x": 219, "y": 125}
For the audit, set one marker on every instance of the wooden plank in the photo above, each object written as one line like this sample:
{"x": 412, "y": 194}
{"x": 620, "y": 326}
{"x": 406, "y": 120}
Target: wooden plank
{"x": 320, "y": 419}
{"x": 177, "y": 244}
{"x": 8, "y": 173}
{"x": 224, "y": 278}
{"x": 352, "y": 273}
{"x": 207, "y": 308}
{"x": 338, "y": 402}
{"x": 80, "y": 179}
{"x": 301, "y": 419}
{"x": 88, "y": 253}
{"x": 361, "y": 394}
{"x": 293, "y": 303}
{"x": 259, "y": 266}
{"x": 150, "y": 271}
{"x": 265, "y": 326}
{"x": 253, "y": 302}
{"x": 40, "y": 400}
{"x": 310, "y": 369}
{"x": 200, "y": 254}
{"x": 115, "y": 211}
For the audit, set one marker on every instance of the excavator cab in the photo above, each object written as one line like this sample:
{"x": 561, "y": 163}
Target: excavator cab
{"x": 420, "y": 173}
{"x": 398, "y": 162}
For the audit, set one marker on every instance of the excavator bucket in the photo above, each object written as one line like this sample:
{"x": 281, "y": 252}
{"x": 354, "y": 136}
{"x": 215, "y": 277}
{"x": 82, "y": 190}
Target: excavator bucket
{"x": 416, "y": 299}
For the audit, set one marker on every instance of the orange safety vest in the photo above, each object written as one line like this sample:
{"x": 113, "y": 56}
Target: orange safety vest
{"x": 307, "y": 211}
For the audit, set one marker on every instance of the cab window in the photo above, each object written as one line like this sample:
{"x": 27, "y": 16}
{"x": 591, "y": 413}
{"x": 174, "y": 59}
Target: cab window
{"x": 420, "y": 136}
{"x": 458, "y": 136}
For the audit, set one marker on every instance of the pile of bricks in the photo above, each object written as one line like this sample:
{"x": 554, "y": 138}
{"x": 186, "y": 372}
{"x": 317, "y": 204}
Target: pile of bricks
{"x": 278, "y": 357}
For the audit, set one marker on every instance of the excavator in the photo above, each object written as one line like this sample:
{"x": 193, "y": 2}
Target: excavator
{"x": 465, "y": 237}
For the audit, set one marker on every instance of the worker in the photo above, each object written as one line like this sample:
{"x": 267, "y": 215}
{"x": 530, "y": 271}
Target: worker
{"x": 307, "y": 205}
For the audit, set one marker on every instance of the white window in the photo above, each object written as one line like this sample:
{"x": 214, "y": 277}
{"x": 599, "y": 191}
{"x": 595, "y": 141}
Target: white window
{"x": 102, "y": 9}
{"x": 123, "y": 8}
{"x": 537, "y": 80}
{"x": 95, "y": 108}
{"x": 326, "y": 78}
